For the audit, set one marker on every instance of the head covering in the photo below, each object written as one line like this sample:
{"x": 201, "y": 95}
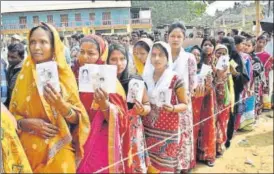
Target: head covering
{"x": 103, "y": 47}
{"x": 103, "y": 52}
{"x": 17, "y": 37}
{"x": 139, "y": 65}
{"x": 221, "y": 46}
{"x": 166, "y": 77}
{"x": 27, "y": 103}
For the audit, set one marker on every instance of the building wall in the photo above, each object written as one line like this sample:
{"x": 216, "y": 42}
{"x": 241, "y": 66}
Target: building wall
{"x": 117, "y": 14}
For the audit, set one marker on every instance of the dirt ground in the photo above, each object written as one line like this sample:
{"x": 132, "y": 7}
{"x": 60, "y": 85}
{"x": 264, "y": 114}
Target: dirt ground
{"x": 250, "y": 152}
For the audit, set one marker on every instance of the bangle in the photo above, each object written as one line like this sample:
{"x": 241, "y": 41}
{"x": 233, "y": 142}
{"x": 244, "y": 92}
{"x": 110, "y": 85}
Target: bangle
{"x": 19, "y": 123}
{"x": 69, "y": 114}
{"x": 173, "y": 108}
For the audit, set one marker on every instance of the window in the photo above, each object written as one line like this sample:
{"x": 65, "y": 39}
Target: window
{"x": 64, "y": 20}
{"x": 22, "y": 21}
{"x": 78, "y": 17}
{"x": 35, "y": 19}
{"x": 106, "y": 18}
{"x": 92, "y": 16}
{"x": 50, "y": 19}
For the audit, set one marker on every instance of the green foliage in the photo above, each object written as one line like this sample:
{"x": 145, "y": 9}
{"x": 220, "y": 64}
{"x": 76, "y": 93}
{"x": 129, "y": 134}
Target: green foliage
{"x": 164, "y": 12}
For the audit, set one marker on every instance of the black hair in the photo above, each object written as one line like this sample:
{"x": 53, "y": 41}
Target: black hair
{"x": 190, "y": 35}
{"x": 159, "y": 46}
{"x": 81, "y": 36}
{"x": 136, "y": 32}
{"x": 145, "y": 33}
{"x": 235, "y": 31}
{"x": 230, "y": 44}
{"x": 196, "y": 47}
{"x": 213, "y": 42}
{"x": 119, "y": 47}
{"x": 85, "y": 70}
{"x": 143, "y": 45}
{"x": 91, "y": 40}
{"x": 239, "y": 39}
{"x": 47, "y": 30}
{"x": 176, "y": 25}
{"x": 262, "y": 37}
{"x": 62, "y": 38}
{"x": 210, "y": 39}
{"x": 76, "y": 37}
{"x": 114, "y": 35}
{"x": 151, "y": 37}
{"x": 19, "y": 48}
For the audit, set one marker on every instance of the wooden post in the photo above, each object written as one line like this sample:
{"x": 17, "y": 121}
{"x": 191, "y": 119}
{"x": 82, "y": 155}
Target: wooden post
{"x": 257, "y": 2}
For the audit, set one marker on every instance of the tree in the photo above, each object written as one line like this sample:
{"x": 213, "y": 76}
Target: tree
{"x": 164, "y": 12}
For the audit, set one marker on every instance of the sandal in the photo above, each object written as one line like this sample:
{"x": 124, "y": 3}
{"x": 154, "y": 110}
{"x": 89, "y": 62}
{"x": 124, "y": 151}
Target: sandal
{"x": 219, "y": 154}
{"x": 210, "y": 163}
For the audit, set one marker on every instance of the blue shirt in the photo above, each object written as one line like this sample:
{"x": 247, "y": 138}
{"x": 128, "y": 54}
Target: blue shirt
{"x": 4, "y": 86}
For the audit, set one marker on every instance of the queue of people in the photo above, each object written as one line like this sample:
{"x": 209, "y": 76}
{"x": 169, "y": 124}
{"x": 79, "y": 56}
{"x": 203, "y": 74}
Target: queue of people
{"x": 86, "y": 132}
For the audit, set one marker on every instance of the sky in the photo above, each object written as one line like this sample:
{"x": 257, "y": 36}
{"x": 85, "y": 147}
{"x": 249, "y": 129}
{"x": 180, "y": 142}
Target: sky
{"x": 221, "y": 5}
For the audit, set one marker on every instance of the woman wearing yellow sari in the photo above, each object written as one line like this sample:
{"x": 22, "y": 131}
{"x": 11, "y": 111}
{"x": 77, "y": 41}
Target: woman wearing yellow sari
{"x": 53, "y": 126}
{"x": 13, "y": 159}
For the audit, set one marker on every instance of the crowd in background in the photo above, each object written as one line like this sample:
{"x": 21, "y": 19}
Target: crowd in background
{"x": 85, "y": 132}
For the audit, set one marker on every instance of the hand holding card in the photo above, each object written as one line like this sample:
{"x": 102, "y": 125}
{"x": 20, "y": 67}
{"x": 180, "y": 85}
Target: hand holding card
{"x": 135, "y": 90}
{"x": 47, "y": 73}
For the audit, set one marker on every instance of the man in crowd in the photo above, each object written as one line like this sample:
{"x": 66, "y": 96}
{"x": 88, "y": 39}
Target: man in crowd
{"x": 221, "y": 34}
{"x": 134, "y": 37}
{"x": 114, "y": 39}
{"x": 234, "y": 32}
{"x": 16, "y": 54}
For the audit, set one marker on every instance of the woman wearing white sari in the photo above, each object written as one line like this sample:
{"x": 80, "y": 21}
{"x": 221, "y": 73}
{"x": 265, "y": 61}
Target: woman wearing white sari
{"x": 184, "y": 64}
{"x": 165, "y": 119}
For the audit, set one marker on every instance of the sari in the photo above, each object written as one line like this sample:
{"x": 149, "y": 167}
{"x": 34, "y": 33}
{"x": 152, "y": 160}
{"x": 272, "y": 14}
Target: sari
{"x": 258, "y": 77}
{"x": 55, "y": 155}
{"x": 138, "y": 64}
{"x": 245, "y": 117}
{"x": 267, "y": 61}
{"x": 186, "y": 68}
{"x": 165, "y": 156}
{"x": 196, "y": 106}
{"x": 108, "y": 142}
{"x": 207, "y": 134}
{"x": 13, "y": 157}
{"x": 140, "y": 158}
{"x": 223, "y": 106}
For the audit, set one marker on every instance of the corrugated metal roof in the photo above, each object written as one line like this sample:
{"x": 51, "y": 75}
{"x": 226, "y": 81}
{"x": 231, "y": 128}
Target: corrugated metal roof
{"x": 79, "y": 5}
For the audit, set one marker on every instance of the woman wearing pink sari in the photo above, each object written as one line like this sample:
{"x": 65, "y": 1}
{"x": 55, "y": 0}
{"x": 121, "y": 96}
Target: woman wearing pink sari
{"x": 108, "y": 141}
{"x": 267, "y": 61}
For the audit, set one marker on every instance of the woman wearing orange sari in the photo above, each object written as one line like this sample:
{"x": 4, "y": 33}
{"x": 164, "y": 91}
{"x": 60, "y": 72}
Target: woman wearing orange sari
{"x": 53, "y": 126}
{"x": 13, "y": 157}
{"x": 108, "y": 142}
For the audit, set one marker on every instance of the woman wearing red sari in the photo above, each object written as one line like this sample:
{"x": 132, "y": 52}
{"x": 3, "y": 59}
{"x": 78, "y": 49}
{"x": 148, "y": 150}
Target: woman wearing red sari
{"x": 224, "y": 88}
{"x": 207, "y": 138}
{"x": 196, "y": 100}
{"x": 108, "y": 141}
{"x": 267, "y": 61}
{"x": 118, "y": 56}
